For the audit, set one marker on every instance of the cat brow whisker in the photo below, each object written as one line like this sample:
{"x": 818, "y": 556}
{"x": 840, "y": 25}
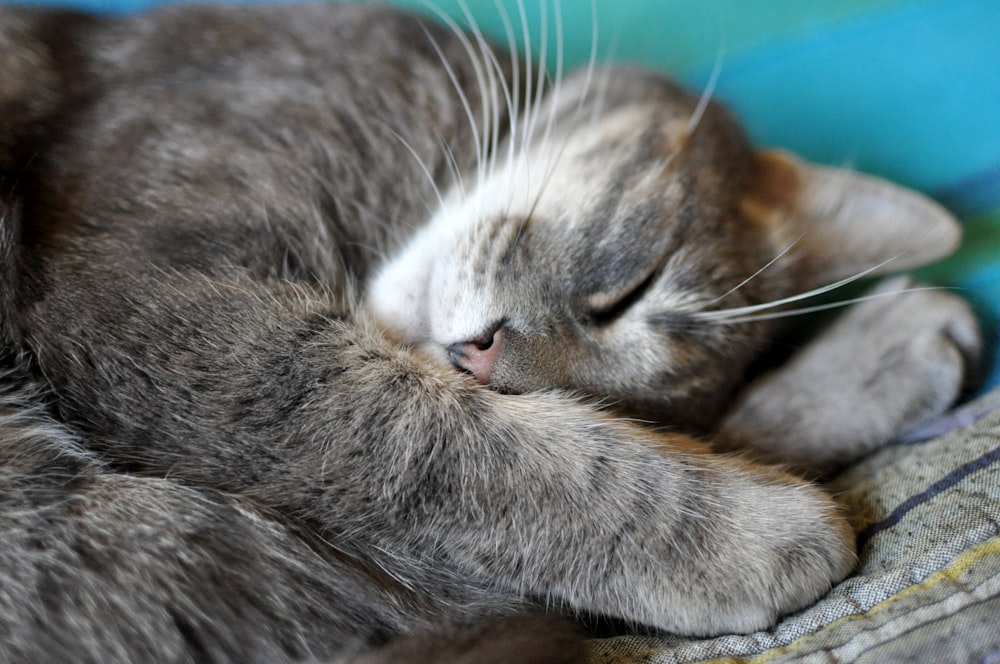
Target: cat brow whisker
{"x": 824, "y": 307}
{"x": 449, "y": 154}
{"x": 706, "y": 95}
{"x": 520, "y": 126}
{"x": 589, "y": 78}
{"x": 600, "y": 97}
{"x": 480, "y": 139}
{"x": 550, "y": 170}
{"x": 528, "y": 75}
{"x": 552, "y": 101}
{"x": 550, "y": 97}
{"x": 591, "y": 59}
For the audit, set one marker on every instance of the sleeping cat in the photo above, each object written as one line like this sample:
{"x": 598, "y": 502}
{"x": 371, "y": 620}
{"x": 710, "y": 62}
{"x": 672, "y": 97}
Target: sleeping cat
{"x": 325, "y": 325}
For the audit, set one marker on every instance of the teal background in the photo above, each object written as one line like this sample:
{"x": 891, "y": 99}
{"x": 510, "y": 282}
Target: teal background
{"x": 905, "y": 89}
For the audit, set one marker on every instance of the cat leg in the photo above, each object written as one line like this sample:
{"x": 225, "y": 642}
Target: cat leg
{"x": 393, "y": 459}
{"x": 544, "y": 497}
{"x": 884, "y": 367}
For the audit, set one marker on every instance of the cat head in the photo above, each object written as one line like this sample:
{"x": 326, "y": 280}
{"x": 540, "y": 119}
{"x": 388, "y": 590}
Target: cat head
{"x": 613, "y": 245}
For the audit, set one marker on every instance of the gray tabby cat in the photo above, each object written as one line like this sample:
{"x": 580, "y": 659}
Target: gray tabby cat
{"x": 319, "y": 323}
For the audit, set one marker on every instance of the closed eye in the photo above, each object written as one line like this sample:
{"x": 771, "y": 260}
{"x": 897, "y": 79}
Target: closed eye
{"x": 602, "y": 313}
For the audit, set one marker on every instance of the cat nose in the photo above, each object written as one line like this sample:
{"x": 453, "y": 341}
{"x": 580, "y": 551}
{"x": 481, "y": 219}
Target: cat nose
{"x": 478, "y": 357}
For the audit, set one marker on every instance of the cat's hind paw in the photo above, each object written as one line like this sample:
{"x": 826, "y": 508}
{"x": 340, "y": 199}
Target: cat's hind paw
{"x": 889, "y": 364}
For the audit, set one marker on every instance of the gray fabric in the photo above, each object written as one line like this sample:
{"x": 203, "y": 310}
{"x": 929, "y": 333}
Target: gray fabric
{"x": 928, "y": 585}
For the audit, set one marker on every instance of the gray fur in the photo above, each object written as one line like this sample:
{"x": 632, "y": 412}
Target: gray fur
{"x": 225, "y": 436}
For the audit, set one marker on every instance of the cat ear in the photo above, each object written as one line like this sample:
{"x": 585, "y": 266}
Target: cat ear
{"x": 843, "y": 223}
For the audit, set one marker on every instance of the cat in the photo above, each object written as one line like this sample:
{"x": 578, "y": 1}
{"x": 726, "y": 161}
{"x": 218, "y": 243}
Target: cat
{"x": 326, "y": 325}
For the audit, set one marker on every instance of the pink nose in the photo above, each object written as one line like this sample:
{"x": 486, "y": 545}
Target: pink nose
{"x": 476, "y": 357}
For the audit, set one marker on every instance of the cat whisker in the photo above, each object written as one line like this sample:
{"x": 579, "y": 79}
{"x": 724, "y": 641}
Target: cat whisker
{"x": 528, "y": 76}
{"x": 480, "y": 134}
{"x": 513, "y": 87}
{"x": 487, "y": 92}
{"x": 550, "y": 170}
{"x": 756, "y": 274}
{"x": 535, "y": 109}
{"x": 706, "y": 95}
{"x": 591, "y": 59}
{"x": 557, "y": 81}
{"x": 722, "y": 314}
{"x": 543, "y": 95}
{"x": 453, "y": 166}
{"x": 735, "y": 320}
{"x": 420, "y": 162}
{"x": 552, "y": 101}
{"x": 533, "y": 106}
{"x": 519, "y": 108}
{"x": 496, "y": 82}
{"x": 488, "y": 134}
{"x": 600, "y": 96}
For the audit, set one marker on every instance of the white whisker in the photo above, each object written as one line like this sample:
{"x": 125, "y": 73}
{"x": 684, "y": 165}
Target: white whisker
{"x": 497, "y": 87}
{"x": 592, "y": 58}
{"x": 553, "y": 102}
{"x": 823, "y": 307}
{"x": 419, "y": 160}
{"x": 449, "y": 70}
{"x": 513, "y": 89}
{"x": 543, "y": 45}
{"x": 706, "y": 95}
{"x": 524, "y": 138}
{"x": 721, "y": 314}
{"x": 453, "y": 167}
{"x": 600, "y": 96}
{"x": 757, "y": 273}
{"x": 480, "y": 138}
{"x": 529, "y": 67}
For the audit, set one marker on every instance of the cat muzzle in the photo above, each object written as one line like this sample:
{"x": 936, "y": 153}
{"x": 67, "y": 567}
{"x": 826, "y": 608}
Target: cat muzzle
{"x": 476, "y": 357}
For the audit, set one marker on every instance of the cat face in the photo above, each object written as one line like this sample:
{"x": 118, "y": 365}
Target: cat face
{"x": 612, "y": 246}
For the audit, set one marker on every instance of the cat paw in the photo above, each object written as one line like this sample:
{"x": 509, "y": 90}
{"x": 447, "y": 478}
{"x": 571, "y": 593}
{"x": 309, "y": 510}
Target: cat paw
{"x": 806, "y": 555}
{"x": 780, "y": 545}
{"x": 927, "y": 347}
{"x": 886, "y": 366}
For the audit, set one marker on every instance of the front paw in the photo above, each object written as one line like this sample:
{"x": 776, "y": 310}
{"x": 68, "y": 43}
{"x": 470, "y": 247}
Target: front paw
{"x": 766, "y": 544}
{"x": 793, "y": 546}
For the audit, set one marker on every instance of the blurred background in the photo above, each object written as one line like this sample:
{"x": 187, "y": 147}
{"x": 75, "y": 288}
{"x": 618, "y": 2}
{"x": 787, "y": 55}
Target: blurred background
{"x": 904, "y": 89}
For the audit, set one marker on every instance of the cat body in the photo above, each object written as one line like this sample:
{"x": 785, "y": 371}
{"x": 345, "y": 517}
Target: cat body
{"x": 305, "y": 329}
